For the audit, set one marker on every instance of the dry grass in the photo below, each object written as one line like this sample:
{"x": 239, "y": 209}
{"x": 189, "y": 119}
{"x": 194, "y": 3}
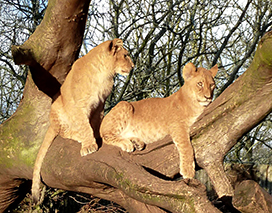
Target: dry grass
{"x": 58, "y": 201}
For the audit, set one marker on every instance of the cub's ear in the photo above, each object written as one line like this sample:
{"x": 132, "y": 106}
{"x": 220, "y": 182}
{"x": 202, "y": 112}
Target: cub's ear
{"x": 214, "y": 70}
{"x": 116, "y": 45}
{"x": 188, "y": 71}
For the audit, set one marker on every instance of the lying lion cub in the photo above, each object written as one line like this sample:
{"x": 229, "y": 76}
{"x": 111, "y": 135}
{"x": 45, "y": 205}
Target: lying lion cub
{"x": 132, "y": 125}
{"x": 78, "y": 111}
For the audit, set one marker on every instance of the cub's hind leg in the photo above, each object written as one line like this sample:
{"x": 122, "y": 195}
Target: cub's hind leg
{"x": 115, "y": 123}
{"x": 85, "y": 135}
{"x": 80, "y": 130}
{"x": 74, "y": 124}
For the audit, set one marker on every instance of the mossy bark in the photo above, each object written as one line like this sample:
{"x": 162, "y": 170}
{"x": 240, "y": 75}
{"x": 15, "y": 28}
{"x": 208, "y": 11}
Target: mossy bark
{"x": 20, "y": 139}
{"x": 22, "y": 134}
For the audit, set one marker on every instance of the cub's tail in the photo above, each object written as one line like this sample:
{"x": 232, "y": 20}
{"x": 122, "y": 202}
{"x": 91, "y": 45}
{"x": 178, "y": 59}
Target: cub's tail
{"x": 36, "y": 180}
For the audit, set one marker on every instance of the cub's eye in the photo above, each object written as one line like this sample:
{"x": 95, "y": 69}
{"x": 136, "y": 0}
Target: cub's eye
{"x": 125, "y": 55}
{"x": 200, "y": 84}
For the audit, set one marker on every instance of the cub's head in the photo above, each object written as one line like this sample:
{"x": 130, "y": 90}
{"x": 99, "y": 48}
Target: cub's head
{"x": 122, "y": 62}
{"x": 199, "y": 83}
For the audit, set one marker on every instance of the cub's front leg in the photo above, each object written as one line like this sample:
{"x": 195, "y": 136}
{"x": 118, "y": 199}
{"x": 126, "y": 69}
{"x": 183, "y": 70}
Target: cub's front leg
{"x": 181, "y": 139}
{"x": 88, "y": 143}
{"x": 115, "y": 128}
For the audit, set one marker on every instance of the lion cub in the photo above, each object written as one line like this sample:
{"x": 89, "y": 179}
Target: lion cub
{"x": 78, "y": 111}
{"x": 132, "y": 125}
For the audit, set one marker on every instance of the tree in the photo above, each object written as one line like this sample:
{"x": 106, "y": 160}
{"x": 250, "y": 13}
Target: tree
{"x": 139, "y": 182}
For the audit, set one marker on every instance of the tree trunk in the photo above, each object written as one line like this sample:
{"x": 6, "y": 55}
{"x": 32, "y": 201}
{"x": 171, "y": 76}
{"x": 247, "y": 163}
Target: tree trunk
{"x": 140, "y": 181}
{"x": 54, "y": 46}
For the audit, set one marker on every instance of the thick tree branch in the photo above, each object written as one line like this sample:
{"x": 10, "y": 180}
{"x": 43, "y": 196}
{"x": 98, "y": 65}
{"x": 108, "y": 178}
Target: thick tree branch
{"x": 115, "y": 168}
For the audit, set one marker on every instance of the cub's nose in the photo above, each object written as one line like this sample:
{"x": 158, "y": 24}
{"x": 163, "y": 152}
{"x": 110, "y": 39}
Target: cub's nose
{"x": 208, "y": 97}
{"x": 131, "y": 63}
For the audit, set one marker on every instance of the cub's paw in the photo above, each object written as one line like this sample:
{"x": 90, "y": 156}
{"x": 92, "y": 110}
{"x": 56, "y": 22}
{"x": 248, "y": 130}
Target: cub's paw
{"x": 125, "y": 145}
{"x": 186, "y": 175}
{"x": 187, "y": 171}
{"x": 137, "y": 143}
{"x": 88, "y": 149}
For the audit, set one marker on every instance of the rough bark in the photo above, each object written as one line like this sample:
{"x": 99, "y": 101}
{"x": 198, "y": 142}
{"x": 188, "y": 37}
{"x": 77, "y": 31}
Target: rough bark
{"x": 250, "y": 197}
{"x": 141, "y": 181}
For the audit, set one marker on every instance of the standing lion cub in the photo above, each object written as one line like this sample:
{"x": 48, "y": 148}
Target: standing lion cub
{"x": 77, "y": 112}
{"x": 132, "y": 125}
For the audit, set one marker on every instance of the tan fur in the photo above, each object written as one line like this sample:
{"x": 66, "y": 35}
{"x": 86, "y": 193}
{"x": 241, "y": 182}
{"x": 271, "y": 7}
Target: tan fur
{"x": 132, "y": 125}
{"x": 78, "y": 111}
